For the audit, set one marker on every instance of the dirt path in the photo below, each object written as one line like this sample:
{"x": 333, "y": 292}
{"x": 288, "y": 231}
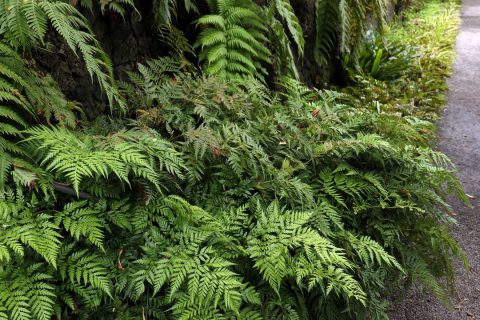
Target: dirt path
{"x": 460, "y": 140}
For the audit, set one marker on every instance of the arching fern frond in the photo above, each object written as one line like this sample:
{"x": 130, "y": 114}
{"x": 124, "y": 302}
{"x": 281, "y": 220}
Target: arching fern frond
{"x": 326, "y": 16}
{"x": 76, "y": 157}
{"x": 343, "y": 23}
{"x": 25, "y": 96}
{"x": 25, "y": 23}
{"x": 166, "y": 10}
{"x": 117, "y": 6}
{"x": 25, "y": 228}
{"x": 284, "y": 62}
{"x": 232, "y": 44}
{"x": 285, "y": 10}
{"x": 26, "y": 293}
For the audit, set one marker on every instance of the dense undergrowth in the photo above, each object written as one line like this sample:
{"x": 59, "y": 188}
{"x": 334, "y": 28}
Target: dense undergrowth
{"x": 414, "y": 61}
{"x": 205, "y": 194}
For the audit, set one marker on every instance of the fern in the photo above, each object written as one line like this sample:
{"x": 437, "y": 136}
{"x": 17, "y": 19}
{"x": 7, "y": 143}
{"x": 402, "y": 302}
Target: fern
{"x": 326, "y": 15}
{"x": 217, "y": 198}
{"x": 166, "y": 10}
{"x": 23, "y": 228}
{"x": 82, "y": 268}
{"x": 117, "y": 156}
{"x": 343, "y": 22}
{"x": 233, "y": 42}
{"x": 26, "y": 96}
{"x": 268, "y": 225}
{"x": 26, "y": 293}
{"x": 351, "y": 173}
{"x": 81, "y": 221}
{"x": 13, "y": 104}
{"x": 285, "y": 10}
{"x": 287, "y": 232}
{"x": 284, "y": 61}
{"x": 25, "y": 23}
{"x": 117, "y": 6}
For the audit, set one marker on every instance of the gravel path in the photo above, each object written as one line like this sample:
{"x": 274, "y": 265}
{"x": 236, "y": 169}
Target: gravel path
{"x": 460, "y": 140}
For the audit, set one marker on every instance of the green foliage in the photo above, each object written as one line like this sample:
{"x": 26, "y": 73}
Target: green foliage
{"x": 412, "y": 82}
{"x": 13, "y": 105}
{"x": 25, "y": 24}
{"x": 165, "y": 10}
{"x": 216, "y": 197}
{"x": 343, "y": 22}
{"x": 355, "y": 183}
{"x": 117, "y": 6}
{"x": 23, "y": 227}
{"x": 286, "y": 12}
{"x": 142, "y": 154}
{"x": 284, "y": 62}
{"x": 232, "y": 42}
{"x": 233, "y": 37}
{"x": 381, "y": 60}
{"x": 26, "y": 293}
{"x": 25, "y": 96}
{"x": 327, "y": 20}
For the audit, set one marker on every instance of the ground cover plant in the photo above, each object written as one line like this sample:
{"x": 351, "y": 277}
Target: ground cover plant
{"x": 215, "y": 187}
{"x": 406, "y": 69}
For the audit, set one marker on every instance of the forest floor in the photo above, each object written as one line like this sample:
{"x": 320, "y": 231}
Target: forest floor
{"x": 460, "y": 140}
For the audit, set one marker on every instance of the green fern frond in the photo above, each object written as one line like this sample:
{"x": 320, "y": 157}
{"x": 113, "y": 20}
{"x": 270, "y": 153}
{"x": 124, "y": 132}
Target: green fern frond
{"x": 233, "y": 40}
{"x": 326, "y": 15}
{"x": 26, "y": 293}
{"x": 24, "y": 23}
{"x": 83, "y": 268}
{"x": 285, "y": 10}
{"x": 117, "y": 156}
{"x": 25, "y": 228}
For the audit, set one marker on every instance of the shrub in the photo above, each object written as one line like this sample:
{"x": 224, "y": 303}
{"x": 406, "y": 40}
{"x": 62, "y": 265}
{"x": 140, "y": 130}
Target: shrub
{"x": 225, "y": 201}
{"x": 216, "y": 197}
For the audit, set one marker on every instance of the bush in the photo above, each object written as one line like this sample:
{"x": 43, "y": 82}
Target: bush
{"x": 245, "y": 204}
{"x": 210, "y": 197}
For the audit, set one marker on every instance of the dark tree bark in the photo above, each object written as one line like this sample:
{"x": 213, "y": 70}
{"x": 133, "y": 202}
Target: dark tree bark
{"x": 132, "y": 39}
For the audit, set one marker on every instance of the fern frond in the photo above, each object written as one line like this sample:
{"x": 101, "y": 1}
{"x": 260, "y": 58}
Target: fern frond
{"x": 26, "y": 293}
{"x": 24, "y": 228}
{"x": 285, "y": 10}
{"x": 233, "y": 41}
{"x": 326, "y": 15}
{"x": 25, "y": 22}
